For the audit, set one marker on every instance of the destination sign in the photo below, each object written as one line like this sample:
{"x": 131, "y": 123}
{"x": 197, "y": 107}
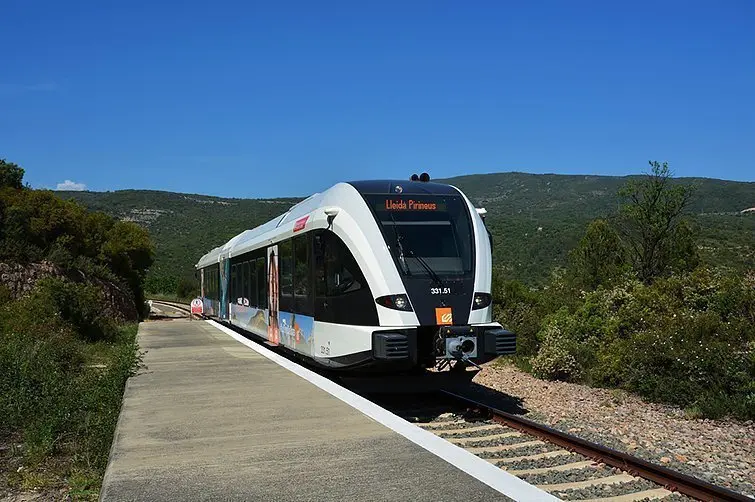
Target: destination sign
{"x": 411, "y": 205}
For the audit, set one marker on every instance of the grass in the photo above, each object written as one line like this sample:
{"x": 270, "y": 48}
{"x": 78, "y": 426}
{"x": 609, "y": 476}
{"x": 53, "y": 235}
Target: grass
{"x": 62, "y": 400}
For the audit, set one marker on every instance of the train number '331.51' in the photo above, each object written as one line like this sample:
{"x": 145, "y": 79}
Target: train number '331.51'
{"x": 440, "y": 291}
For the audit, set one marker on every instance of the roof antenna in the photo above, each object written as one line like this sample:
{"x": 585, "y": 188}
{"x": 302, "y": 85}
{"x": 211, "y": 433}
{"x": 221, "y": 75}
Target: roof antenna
{"x": 414, "y": 178}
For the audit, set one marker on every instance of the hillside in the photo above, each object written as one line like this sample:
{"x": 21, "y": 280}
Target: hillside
{"x": 535, "y": 218}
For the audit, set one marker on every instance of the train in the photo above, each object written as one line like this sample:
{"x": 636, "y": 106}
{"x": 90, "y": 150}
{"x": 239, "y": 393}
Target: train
{"x": 366, "y": 276}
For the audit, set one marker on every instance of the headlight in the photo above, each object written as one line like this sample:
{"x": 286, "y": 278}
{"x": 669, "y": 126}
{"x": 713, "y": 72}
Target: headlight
{"x": 481, "y": 300}
{"x": 395, "y": 302}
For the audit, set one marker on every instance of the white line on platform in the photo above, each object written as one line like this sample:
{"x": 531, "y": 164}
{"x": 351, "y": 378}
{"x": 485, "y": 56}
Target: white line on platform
{"x": 473, "y": 465}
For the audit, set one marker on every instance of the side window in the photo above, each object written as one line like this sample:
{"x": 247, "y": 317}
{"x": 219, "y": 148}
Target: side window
{"x": 239, "y": 281}
{"x": 342, "y": 295}
{"x": 302, "y": 288}
{"x": 342, "y": 274}
{"x": 242, "y": 282}
{"x": 233, "y": 284}
{"x": 251, "y": 283}
{"x": 285, "y": 264}
{"x": 318, "y": 242}
{"x": 261, "y": 283}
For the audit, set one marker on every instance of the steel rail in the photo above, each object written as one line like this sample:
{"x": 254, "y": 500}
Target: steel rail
{"x": 668, "y": 478}
{"x": 175, "y": 305}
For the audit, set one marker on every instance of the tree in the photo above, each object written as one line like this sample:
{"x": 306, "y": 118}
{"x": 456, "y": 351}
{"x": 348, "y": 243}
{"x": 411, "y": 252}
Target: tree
{"x": 11, "y": 175}
{"x": 649, "y": 221}
{"x": 682, "y": 254}
{"x": 129, "y": 252}
{"x": 187, "y": 288}
{"x": 599, "y": 256}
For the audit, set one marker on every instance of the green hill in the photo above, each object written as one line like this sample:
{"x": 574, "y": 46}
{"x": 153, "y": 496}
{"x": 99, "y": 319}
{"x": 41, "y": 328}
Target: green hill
{"x": 535, "y": 218}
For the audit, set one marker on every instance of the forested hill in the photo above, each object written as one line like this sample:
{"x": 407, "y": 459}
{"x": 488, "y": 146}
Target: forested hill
{"x": 183, "y": 226}
{"x": 535, "y": 218}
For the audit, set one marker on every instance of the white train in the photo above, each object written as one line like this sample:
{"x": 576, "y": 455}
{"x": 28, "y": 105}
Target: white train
{"x": 368, "y": 275}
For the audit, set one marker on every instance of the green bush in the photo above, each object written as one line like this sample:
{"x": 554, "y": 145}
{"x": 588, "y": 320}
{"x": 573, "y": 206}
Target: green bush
{"x": 555, "y": 359}
{"x": 78, "y": 304}
{"x": 519, "y": 309}
{"x": 37, "y": 225}
{"x": 686, "y": 340}
{"x": 187, "y": 289}
{"x": 60, "y": 390}
{"x": 161, "y": 284}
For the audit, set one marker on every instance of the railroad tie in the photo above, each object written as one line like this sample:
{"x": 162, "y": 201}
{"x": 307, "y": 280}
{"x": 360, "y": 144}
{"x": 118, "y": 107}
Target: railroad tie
{"x": 654, "y": 494}
{"x": 576, "y": 485}
{"x": 478, "y": 428}
{"x": 503, "y": 447}
{"x": 477, "y": 439}
{"x": 439, "y": 425}
{"x": 537, "y": 456}
{"x": 555, "y": 468}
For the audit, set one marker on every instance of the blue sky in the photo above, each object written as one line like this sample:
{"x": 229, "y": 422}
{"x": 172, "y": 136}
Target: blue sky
{"x": 249, "y": 99}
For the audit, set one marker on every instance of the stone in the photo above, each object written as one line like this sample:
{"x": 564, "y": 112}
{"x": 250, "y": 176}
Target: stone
{"x": 20, "y": 280}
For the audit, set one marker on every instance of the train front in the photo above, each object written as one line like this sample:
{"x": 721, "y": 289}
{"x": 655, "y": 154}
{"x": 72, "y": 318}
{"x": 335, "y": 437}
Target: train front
{"x": 442, "y": 251}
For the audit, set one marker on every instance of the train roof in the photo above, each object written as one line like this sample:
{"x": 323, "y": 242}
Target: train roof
{"x": 406, "y": 187}
{"x": 249, "y": 238}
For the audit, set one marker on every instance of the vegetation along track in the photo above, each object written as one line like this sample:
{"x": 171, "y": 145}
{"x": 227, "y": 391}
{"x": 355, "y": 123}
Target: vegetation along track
{"x": 561, "y": 464}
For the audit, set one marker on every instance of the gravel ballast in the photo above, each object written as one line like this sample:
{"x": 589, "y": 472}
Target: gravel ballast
{"x": 719, "y": 451}
{"x": 543, "y": 462}
{"x": 605, "y": 491}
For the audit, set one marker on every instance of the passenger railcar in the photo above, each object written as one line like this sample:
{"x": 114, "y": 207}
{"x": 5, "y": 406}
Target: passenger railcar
{"x": 367, "y": 275}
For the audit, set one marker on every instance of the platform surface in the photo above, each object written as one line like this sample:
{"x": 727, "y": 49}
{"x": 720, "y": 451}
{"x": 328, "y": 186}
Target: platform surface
{"x": 208, "y": 418}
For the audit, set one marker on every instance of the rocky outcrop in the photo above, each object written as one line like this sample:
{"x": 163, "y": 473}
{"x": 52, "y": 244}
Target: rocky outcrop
{"x": 20, "y": 280}
{"x": 119, "y": 300}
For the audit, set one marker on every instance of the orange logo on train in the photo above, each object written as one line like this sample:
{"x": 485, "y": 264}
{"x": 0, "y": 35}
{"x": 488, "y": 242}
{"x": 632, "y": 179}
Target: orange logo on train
{"x": 444, "y": 315}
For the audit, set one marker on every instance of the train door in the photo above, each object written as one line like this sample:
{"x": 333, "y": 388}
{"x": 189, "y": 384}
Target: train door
{"x": 273, "y": 296}
{"x": 225, "y": 267}
{"x": 201, "y": 283}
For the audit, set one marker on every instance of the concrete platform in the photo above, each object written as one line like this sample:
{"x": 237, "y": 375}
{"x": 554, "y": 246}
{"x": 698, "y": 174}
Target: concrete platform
{"x": 210, "y": 419}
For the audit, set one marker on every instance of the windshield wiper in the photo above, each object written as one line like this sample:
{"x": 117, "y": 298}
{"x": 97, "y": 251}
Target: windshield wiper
{"x": 435, "y": 277}
{"x": 401, "y": 258}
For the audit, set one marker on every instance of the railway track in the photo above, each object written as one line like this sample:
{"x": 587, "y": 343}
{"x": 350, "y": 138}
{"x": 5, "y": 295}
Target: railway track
{"x": 175, "y": 305}
{"x": 562, "y": 464}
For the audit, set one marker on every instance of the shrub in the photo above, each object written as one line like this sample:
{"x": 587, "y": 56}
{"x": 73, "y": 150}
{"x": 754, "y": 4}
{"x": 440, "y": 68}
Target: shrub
{"x": 79, "y": 304}
{"x": 161, "y": 284}
{"x": 187, "y": 289}
{"x": 58, "y": 389}
{"x": 519, "y": 309}
{"x": 599, "y": 257}
{"x": 37, "y": 225}
{"x": 39, "y": 355}
{"x": 555, "y": 360}
{"x": 686, "y": 340}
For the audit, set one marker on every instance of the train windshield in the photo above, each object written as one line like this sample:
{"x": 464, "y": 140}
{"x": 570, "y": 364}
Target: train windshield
{"x": 427, "y": 234}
